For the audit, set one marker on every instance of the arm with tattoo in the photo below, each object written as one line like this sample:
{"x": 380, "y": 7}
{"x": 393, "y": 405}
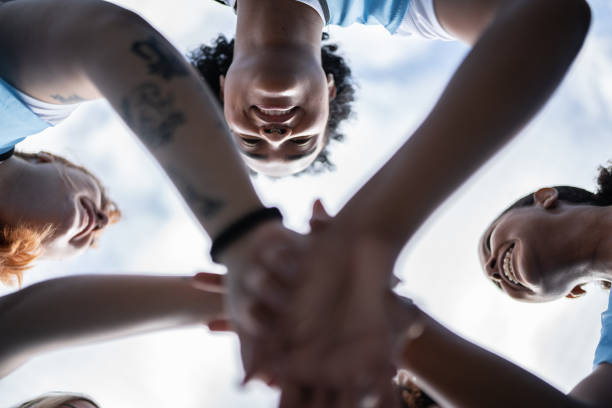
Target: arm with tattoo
{"x": 97, "y": 49}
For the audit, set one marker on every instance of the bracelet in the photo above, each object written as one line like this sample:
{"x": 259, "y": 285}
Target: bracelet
{"x": 239, "y": 228}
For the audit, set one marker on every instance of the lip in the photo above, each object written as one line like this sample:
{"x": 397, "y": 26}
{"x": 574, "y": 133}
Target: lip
{"x": 280, "y": 119}
{"x": 90, "y": 222}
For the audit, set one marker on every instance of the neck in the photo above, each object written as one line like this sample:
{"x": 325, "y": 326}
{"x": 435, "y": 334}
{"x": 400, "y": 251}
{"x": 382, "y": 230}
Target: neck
{"x": 277, "y": 23}
{"x": 596, "y": 234}
{"x": 11, "y": 174}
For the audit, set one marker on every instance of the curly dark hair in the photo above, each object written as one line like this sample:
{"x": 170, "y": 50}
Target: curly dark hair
{"x": 214, "y": 60}
{"x": 577, "y": 195}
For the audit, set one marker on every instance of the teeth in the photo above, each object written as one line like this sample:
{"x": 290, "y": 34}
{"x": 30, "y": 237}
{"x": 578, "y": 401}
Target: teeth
{"x": 508, "y": 268}
{"x": 275, "y": 112}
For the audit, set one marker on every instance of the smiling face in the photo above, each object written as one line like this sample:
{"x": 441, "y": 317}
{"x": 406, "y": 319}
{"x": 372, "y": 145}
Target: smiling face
{"x": 535, "y": 253}
{"x": 276, "y": 104}
{"x": 54, "y": 192}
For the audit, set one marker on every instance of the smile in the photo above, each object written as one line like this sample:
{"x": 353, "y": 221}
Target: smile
{"x": 275, "y": 114}
{"x": 508, "y": 267}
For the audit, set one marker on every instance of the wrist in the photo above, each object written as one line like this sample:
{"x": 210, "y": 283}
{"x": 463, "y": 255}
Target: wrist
{"x": 208, "y": 307}
{"x": 240, "y": 229}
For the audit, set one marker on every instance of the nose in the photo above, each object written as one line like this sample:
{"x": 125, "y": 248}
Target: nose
{"x": 275, "y": 134}
{"x": 102, "y": 219}
{"x": 492, "y": 271}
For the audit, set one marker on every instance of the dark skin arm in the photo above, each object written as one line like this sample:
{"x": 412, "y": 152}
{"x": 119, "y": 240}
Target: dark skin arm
{"x": 460, "y": 374}
{"x": 521, "y": 51}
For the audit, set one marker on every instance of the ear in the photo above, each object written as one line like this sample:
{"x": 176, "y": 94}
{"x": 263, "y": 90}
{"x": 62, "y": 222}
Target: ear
{"x": 320, "y": 218}
{"x": 222, "y": 87}
{"x": 576, "y": 292}
{"x": 44, "y": 157}
{"x": 331, "y": 87}
{"x": 546, "y": 197}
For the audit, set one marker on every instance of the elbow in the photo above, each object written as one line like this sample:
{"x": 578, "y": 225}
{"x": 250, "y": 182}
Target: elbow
{"x": 108, "y": 26}
{"x": 576, "y": 14}
{"x": 569, "y": 18}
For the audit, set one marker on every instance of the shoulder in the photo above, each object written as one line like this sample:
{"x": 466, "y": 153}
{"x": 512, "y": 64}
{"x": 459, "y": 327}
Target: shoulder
{"x": 595, "y": 389}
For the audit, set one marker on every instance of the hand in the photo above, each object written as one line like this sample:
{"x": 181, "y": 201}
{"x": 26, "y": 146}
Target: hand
{"x": 213, "y": 283}
{"x": 341, "y": 334}
{"x": 261, "y": 276}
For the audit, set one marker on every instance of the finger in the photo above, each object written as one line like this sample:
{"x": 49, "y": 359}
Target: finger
{"x": 210, "y": 282}
{"x": 320, "y": 218}
{"x": 220, "y": 325}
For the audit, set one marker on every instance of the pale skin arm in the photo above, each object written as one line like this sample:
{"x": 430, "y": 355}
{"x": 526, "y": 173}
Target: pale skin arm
{"x": 457, "y": 373}
{"x": 522, "y": 49}
{"x": 77, "y": 310}
{"x": 70, "y": 50}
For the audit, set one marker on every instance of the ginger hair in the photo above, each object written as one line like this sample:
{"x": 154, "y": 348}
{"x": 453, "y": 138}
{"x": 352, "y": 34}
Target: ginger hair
{"x": 21, "y": 244}
{"x": 19, "y": 247}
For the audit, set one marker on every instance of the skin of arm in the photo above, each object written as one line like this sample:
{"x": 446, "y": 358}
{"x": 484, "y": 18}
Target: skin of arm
{"x": 82, "y": 309}
{"x": 460, "y": 374}
{"x": 522, "y": 49}
{"x": 69, "y": 50}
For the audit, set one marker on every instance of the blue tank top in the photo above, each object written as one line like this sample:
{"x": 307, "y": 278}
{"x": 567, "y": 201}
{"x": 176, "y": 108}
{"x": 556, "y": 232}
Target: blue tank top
{"x": 603, "y": 354}
{"x": 388, "y": 13}
{"x": 16, "y": 121}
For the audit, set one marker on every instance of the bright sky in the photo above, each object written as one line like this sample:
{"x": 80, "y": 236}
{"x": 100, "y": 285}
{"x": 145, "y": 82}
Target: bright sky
{"x": 399, "y": 82}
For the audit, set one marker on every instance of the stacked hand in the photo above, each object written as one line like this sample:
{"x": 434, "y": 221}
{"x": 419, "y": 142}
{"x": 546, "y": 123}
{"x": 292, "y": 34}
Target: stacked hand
{"x": 314, "y": 313}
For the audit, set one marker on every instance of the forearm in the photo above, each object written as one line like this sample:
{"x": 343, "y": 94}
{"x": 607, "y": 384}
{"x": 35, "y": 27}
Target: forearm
{"x": 172, "y": 111}
{"x": 457, "y": 373}
{"x": 86, "y": 48}
{"x": 83, "y": 309}
{"x": 512, "y": 70}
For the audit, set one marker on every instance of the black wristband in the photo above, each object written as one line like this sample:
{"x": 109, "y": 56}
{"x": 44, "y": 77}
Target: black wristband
{"x": 239, "y": 228}
{"x": 7, "y": 155}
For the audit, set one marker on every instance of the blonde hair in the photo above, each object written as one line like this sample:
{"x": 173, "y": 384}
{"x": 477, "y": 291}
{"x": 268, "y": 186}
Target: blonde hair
{"x": 54, "y": 400}
{"x": 19, "y": 246}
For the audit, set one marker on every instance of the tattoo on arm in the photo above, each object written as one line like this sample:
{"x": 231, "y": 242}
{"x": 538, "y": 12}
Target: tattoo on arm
{"x": 201, "y": 204}
{"x": 151, "y": 114}
{"x": 68, "y": 99}
{"x": 160, "y": 60}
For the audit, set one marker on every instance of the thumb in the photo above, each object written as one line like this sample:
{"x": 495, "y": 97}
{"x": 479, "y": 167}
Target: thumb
{"x": 320, "y": 217}
{"x": 210, "y": 282}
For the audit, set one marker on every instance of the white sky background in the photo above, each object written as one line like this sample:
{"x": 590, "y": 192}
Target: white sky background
{"x": 400, "y": 80}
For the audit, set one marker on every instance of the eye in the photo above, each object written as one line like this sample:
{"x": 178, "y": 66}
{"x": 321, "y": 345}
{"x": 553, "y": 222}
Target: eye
{"x": 250, "y": 141}
{"x": 301, "y": 140}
